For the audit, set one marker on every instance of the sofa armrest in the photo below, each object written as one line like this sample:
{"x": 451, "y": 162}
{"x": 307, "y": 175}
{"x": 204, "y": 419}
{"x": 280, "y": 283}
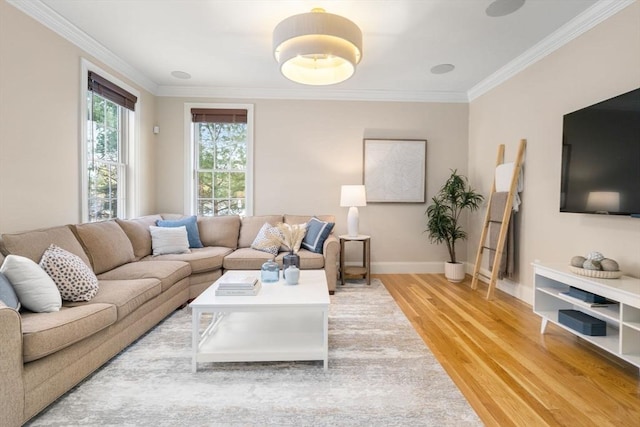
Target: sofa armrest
{"x": 331, "y": 252}
{"x": 11, "y": 366}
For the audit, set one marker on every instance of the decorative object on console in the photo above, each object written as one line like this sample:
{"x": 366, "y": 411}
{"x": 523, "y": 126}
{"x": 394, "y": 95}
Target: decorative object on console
{"x": 317, "y": 48}
{"x": 595, "y": 265}
{"x": 443, "y": 217}
{"x": 352, "y": 196}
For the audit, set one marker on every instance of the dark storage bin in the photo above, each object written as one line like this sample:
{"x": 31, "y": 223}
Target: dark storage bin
{"x": 586, "y": 296}
{"x": 582, "y": 322}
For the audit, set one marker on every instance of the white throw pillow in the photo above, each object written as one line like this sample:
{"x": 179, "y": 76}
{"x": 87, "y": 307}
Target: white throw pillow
{"x": 74, "y": 279}
{"x": 169, "y": 240}
{"x": 35, "y": 289}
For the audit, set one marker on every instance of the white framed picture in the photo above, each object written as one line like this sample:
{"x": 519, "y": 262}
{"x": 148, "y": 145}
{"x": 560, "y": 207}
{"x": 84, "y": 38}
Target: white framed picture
{"x": 394, "y": 170}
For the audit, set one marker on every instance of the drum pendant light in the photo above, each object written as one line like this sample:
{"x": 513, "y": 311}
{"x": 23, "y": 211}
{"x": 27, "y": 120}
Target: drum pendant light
{"x": 317, "y": 48}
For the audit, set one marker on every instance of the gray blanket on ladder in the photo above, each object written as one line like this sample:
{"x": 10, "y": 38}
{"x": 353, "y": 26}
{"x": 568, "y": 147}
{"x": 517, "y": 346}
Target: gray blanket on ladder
{"x": 507, "y": 264}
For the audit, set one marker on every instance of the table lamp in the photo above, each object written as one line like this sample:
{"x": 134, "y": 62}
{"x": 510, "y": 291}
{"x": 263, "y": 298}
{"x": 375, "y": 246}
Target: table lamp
{"x": 352, "y": 196}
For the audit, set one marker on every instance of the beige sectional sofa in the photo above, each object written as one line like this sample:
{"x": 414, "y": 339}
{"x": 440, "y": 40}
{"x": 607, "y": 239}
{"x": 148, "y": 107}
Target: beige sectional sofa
{"x": 43, "y": 355}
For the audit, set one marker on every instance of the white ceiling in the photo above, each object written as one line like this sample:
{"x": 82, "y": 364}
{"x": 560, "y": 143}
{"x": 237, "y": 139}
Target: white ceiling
{"x": 226, "y": 44}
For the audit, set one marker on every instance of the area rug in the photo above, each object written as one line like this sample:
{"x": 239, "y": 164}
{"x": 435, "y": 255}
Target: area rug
{"x": 380, "y": 374}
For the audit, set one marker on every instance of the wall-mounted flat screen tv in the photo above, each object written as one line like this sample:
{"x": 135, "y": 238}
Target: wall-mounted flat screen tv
{"x": 601, "y": 157}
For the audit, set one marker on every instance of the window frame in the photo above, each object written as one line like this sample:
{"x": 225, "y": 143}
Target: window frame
{"x": 190, "y": 197}
{"x": 131, "y": 155}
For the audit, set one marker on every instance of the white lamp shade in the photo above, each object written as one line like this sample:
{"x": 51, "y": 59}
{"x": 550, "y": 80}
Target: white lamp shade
{"x": 353, "y": 195}
{"x": 317, "y": 48}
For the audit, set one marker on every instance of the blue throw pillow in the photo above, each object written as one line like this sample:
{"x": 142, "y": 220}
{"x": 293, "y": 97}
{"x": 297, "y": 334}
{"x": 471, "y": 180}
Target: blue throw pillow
{"x": 192, "y": 228}
{"x": 317, "y": 233}
{"x": 7, "y": 294}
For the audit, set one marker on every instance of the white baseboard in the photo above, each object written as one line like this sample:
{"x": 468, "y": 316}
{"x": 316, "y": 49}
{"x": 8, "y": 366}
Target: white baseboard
{"x": 514, "y": 289}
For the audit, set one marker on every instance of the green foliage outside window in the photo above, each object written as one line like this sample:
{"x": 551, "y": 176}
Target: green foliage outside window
{"x": 221, "y": 168}
{"x": 105, "y": 165}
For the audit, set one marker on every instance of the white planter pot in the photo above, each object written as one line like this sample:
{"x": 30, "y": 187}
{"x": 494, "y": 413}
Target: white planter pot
{"x": 454, "y": 272}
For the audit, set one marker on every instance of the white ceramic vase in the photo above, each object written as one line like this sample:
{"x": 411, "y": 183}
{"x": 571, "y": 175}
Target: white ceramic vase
{"x": 454, "y": 272}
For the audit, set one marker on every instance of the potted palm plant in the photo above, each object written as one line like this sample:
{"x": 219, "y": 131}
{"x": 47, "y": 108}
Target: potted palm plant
{"x": 443, "y": 219}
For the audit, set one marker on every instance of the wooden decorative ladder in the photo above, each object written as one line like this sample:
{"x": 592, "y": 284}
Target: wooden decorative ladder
{"x": 504, "y": 224}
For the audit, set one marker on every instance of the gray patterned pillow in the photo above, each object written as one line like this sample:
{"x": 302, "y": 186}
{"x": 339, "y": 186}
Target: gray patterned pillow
{"x": 267, "y": 239}
{"x": 74, "y": 278}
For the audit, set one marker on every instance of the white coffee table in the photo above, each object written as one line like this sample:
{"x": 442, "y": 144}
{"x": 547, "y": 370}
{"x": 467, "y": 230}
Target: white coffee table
{"x": 283, "y": 322}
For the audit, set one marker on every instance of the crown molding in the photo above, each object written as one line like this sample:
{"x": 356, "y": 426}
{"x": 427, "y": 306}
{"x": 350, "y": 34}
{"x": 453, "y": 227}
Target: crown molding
{"x": 52, "y": 20}
{"x": 588, "y": 19}
{"x": 597, "y": 13}
{"x": 312, "y": 94}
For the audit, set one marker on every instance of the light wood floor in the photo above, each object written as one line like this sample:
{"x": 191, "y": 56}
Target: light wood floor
{"x": 510, "y": 373}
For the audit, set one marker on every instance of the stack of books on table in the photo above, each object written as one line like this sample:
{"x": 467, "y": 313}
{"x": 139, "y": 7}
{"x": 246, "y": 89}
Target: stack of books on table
{"x": 238, "y": 285}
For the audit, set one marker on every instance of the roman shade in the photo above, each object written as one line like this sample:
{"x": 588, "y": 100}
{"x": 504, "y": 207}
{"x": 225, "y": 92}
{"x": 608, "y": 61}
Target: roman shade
{"x": 216, "y": 115}
{"x": 111, "y": 91}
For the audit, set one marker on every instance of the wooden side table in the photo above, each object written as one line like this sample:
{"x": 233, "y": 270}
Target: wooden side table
{"x": 350, "y": 271}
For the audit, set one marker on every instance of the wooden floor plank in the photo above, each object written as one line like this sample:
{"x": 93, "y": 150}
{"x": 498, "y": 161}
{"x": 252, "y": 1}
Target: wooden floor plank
{"x": 510, "y": 373}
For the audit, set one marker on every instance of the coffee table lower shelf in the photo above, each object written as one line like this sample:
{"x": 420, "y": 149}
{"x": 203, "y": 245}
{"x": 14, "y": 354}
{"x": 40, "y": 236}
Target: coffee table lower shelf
{"x": 261, "y": 336}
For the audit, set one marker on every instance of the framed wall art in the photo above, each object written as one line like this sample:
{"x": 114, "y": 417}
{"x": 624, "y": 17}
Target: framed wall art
{"x": 394, "y": 170}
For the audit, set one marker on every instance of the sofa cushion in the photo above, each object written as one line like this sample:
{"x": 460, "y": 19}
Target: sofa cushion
{"x": 299, "y": 219}
{"x": 219, "y": 230}
{"x": 32, "y": 244}
{"x": 251, "y": 226}
{"x": 125, "y": 295}
{"x": 75, "y": 279}
{"x": 246, "y": 259}
{"x": 267, "y": 240}
{"x": 106, "y": 244}
{"x": 7, "y": 294}
{"x": 190, "y": 223}
{"x": 204, "y": 259}
{"x": 35, "y": 289}
{"x": 46, "y": 333}
{"x": 168, "y": 272}
{"x": 308, "y": 260}
{"x": 169, "y": 240}
{"x": 317, "y": 233}
{"x": 137, "y": 230}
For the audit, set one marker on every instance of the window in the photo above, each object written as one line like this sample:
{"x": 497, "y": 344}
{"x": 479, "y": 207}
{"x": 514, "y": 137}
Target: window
{"x": 221, "y": 149}
{"x": 109, "y": 119}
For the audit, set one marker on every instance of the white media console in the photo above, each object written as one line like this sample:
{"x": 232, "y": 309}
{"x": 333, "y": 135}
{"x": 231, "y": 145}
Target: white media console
{"x": 623, "y": 319}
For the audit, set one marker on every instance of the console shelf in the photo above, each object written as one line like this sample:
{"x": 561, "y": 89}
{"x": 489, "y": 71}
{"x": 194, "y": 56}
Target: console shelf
{"x": 552, "y": 281}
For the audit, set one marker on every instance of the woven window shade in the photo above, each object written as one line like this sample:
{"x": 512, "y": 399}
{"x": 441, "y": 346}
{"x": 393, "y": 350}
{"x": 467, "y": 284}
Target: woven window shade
{"x": 215, "y": 115}
{"x": 111, "y": 91}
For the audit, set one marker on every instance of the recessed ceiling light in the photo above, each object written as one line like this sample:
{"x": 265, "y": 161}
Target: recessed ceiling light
{"x": 181, "y": 75}
{"x": 503, "y": 7}
{"x": 442, "y": 68}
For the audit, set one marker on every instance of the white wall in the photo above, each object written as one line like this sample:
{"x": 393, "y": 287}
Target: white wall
{"x": 39, "y": 127}
{"x": 304, "y": 152}
{"x": 599, "y": 64}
